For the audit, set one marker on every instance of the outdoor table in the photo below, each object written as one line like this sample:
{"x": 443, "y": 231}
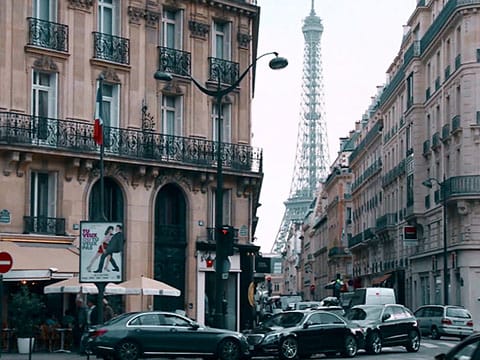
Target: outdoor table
{"x": 62, "y": 332}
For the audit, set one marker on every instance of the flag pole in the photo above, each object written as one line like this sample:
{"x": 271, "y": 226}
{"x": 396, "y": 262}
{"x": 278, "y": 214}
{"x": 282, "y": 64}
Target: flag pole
{"x": 102, "y": 150}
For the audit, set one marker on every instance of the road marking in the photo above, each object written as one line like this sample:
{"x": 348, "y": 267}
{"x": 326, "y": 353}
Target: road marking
{"x": 429, "y": 345}
{"x": 449, "y": 344}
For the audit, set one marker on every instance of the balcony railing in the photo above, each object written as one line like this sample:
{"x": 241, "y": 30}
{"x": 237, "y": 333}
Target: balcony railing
{"x": 456, "y": 123}
{"x": 462, "y": 186}
{"x": 223, "y": 70}
{"x": 111, "y": 48}
{"x": 445, "y": 132}
{"x": 47, "y": 34}
{"x": 426, "y": 147}
{"x": 436, "y": 140}
{"x": 386, "y": 221}
{"x": 77, "y": 136}
{"x": 174, "y": 61}
{"x": 338, "y": 251}
{"x": 43, "y": 225}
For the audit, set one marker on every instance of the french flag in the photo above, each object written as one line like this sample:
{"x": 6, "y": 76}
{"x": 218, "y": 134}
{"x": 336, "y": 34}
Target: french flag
{"x": 98, "y": 127}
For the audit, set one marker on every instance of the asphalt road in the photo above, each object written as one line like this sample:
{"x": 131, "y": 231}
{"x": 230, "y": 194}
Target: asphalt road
{"x": 428, "y": 349}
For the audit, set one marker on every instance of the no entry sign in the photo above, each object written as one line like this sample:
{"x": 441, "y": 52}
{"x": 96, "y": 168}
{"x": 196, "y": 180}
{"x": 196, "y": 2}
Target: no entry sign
{"x": 6, "y": 262}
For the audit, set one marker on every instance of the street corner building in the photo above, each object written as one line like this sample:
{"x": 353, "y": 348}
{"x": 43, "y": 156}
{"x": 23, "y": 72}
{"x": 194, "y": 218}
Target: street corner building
{"x": 70, "y": 69}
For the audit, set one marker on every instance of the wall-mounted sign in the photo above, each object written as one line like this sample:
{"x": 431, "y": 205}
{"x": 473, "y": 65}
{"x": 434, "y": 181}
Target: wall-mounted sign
{"x": 410, "y": 234}
{"x": 5, "y": 216}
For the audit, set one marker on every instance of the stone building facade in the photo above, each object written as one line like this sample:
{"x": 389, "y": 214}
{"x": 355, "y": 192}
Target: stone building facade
{"x": 160, "y": 162}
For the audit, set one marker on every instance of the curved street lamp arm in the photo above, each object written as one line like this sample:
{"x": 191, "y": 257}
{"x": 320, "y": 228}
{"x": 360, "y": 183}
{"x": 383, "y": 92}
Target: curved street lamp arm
{"x": 221, "y": 92}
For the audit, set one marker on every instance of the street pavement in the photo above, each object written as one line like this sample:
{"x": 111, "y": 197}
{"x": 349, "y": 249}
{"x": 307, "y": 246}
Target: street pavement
{"x": 428, "y": 349}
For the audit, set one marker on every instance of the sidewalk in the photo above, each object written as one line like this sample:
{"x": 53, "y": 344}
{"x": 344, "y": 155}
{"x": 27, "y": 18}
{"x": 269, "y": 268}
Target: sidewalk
{"x": 45, "y": 356}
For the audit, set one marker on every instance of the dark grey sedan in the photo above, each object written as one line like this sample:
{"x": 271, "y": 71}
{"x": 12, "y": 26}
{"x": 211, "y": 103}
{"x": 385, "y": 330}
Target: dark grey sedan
{"x": 155, "y": 333}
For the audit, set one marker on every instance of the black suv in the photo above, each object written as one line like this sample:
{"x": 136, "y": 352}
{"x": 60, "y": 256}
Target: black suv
{"x": 302, "y": 333}
{"x": 386, "y": 325}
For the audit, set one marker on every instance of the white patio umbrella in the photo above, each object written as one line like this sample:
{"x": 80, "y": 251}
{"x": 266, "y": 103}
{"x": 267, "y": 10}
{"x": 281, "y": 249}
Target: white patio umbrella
{"x": 146, "y": 286}
{"x": 73, "y": 286}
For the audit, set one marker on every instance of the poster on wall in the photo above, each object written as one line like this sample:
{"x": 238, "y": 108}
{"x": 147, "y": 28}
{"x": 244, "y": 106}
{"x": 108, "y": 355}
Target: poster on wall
{"x": 101, "y": 251}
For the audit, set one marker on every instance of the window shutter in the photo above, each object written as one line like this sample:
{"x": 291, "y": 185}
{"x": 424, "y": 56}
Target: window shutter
{"x": 178, "y": 116}
{"x": 228, "y": 42}
{"x": 227, "y": 123}
{"x": 179, "y": 30}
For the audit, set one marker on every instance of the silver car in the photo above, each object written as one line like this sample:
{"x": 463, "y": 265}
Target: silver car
{"x": 444, "y": 320}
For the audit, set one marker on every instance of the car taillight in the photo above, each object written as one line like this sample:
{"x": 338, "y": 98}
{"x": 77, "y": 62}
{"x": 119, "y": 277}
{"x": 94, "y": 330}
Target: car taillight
{"x": 446, "y": 321}
{"x": 469, "y": 323}
{"x": 98, "y": 332}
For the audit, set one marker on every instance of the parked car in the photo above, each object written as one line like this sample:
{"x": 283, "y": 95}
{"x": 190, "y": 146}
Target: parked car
{"x": 157, "y": 333}
{"x": 386, "y": 325}
{"x": 444, "y": 320}
{"x": 467, "y": 349}
{"x": 302, "y": 333}
{"x": 304, "y": 305}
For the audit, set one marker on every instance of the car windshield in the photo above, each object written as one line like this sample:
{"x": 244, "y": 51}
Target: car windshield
{"x": 286, "y": 319}
{"x": 458, "y": 313}
{"x": 372, "y": 313}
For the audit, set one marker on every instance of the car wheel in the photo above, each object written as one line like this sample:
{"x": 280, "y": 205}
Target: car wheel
{"x": 374, "y": 343}
{"x": 289, "y": 348}
{"x": 413, "y": 344}
{"x": 434, "y": 333}
{"x": 128, "y": 350}
{"x": 229, "y": 349}
{"x": 351, "y": 348}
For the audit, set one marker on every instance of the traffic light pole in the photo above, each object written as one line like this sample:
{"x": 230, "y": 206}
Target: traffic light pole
{"x": 220, "y": 253}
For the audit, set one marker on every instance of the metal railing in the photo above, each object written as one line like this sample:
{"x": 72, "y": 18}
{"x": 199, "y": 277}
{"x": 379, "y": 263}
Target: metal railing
{"x": 111, "y": 48}
{"x": 77, "y": 137}
{"x": 225, "y": 70}
{"x": 43, "y": 225}
{"x": 174, "y": 61}
{"x": 47, "y": 34}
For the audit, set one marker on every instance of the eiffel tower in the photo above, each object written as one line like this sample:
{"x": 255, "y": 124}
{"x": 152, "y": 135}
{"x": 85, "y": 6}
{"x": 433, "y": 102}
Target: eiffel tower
{"x": 312, "y": 157}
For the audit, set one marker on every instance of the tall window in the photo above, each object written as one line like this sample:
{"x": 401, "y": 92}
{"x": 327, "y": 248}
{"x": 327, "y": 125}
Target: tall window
{"x": 227, "y": 207}
{"x": 109, "y": 17}
{"x": 172, "y": 29}
{"x": 221, "y": 40}
{"x": 172, "y": 117}
{"x": 110, "y": 105}
{"x": 225, "y": 121}
{"x": 45, "y": 10}
{"x": 44, "y": 103}
{"x": 44, "y": 94}
{"x": 43, "y": 194}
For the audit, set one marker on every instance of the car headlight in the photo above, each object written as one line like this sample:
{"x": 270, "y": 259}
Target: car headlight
{"x": 271, "y": 338}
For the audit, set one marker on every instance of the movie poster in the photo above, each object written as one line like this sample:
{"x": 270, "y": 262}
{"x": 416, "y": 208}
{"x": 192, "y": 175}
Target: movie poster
{"x": 101, "y": 251}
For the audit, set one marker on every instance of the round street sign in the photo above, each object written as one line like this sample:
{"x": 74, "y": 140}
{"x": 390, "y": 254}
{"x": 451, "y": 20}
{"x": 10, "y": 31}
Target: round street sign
{"x": 6, "y": 262}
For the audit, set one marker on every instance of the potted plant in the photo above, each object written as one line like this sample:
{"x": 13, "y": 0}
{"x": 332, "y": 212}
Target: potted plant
{"x": 25, "y": 314}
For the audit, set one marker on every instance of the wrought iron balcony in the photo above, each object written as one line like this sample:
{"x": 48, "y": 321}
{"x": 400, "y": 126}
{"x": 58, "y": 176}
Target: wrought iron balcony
{"x": 386, "y": 221}
{"x": 436, "y": 140}
{"x": 338, "y": 251}
{"x": 43, "y": 225}
{"x": 47, "y": 34}
{"x": 223, "y": 70}
{"x": 77, "y": 137}
{"x": 174, "y": 61}
{"x": 426, "y": 147}
{"x": 462, "y": 186}
{"x": 111, "y": 48}
{"x": 445, "y": 132}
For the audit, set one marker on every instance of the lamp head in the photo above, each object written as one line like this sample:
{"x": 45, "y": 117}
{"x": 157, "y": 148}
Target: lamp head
{"x": 162, "y": 75}
{"x": 427, "y": 183}
{"x": 278, "y": 62}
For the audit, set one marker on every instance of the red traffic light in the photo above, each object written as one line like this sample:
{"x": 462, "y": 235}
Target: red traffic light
{"x": 209, "y": 262}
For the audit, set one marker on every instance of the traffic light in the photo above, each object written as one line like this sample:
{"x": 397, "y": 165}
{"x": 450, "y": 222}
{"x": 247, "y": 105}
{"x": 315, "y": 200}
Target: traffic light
{"x": 227, "y": 236}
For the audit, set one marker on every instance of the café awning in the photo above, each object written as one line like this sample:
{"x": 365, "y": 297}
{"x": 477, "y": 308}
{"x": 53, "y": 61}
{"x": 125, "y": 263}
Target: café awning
{"x": 381, "y": 279}
{"x": 40, "y": 261}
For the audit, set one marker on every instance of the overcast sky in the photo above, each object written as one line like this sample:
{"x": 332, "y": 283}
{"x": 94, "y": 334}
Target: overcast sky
{"x": 359, "y": 42}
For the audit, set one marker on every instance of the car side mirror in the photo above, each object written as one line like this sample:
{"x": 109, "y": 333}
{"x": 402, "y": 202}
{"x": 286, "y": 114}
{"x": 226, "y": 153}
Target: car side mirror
{"x": 307, "y": 324}
{"x": 386, "y": 317}
{"x": 194, "y": 325}
{"x": 440, "y": 357}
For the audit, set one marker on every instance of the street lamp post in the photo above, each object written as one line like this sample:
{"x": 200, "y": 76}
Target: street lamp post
{"x": 221, "y": 270}
{"x": 429, "y": 183}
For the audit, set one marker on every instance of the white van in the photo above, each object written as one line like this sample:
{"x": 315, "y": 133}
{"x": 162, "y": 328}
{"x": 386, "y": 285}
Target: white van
{"x": 373, "y": 296}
